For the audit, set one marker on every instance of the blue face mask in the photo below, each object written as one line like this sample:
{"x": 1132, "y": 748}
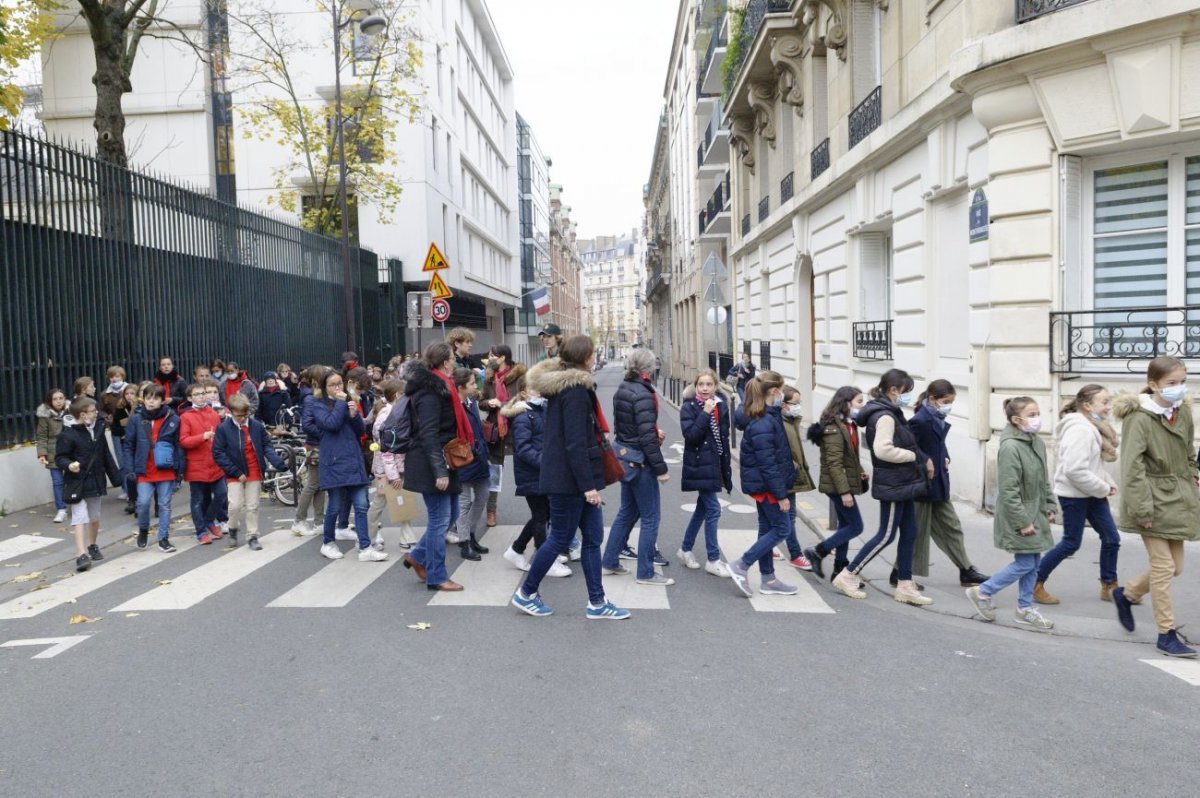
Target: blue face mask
{"x": 1097, "y": 417}
{"x": 854, "y": 412}
{"x": 1174, "y": 393}
{"x": 905, "y": 400}
{"x": 943, "y": 410}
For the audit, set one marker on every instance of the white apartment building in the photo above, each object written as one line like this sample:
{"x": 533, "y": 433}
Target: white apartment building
{"x": 458, "y": 161}
{"x": 613, "y": 270}
{"x": 1003, "y": 195}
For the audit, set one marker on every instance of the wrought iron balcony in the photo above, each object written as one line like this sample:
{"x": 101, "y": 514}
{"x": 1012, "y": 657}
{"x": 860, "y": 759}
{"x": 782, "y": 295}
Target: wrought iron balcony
{"x": 717, "y": 204}
{"x": 866, "y": 117}
{"x": 658, "y": 280}
{"x": 1121, "y": 341}
{"x": 756, "y": 14}
{"x": 718, "y": 40}
{"x": 745, "y": 225}
{"x": 818, "y": 159}
{"x": 786, "y": 188}
{"x": 873, "y": 340}
{"x": 764, "y": 208}
{"x": 1032, "y": 9}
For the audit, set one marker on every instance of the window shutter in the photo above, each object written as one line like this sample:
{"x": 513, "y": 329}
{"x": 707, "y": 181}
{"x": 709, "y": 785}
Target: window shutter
{"x": 1192, "y": 239}
{"x": 872, "y": 280}
{"x": 1130, "y": 269}
{"x": 1071, "y": 230}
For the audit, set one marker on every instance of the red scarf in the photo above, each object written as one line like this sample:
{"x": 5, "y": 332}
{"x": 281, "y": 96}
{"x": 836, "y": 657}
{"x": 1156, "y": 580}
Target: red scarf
{"x": 502, "y": 394}
{"x": 600, "y": 422}
{"x": 460, "y": 414}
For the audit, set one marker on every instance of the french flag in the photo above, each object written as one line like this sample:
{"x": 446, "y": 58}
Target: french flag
{"x": 541, "y": 300}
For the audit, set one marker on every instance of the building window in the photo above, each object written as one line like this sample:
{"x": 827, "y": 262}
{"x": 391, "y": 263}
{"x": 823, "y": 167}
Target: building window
{"x": 865, "y": 42}
{"x": 875, "y": 276}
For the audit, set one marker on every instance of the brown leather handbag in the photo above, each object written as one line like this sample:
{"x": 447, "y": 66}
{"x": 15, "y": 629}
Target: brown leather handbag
{"x": 458, "y": 454}
{"x": 613, "y": 470}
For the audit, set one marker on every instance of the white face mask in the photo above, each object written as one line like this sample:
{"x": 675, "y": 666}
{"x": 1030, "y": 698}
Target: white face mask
{"x": 1032, "y": 425}
{"x": 793, "y": 411}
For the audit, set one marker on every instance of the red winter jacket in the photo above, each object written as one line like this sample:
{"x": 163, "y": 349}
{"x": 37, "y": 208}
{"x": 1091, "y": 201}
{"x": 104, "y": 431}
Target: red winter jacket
{"x": 193, "y": 423}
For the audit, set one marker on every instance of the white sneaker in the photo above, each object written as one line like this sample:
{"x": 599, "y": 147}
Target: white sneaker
{"x": 558, "y": 569}
{"x": 60, "y": 517}
{"x": 378, "y": 544}
{"x": 717, "y": 568}
{"x": 331, "y": 551}
{"x": 688, "y": 558}
{"x": 303, "y": 529}
{"x": 345, "y": 533}
{"x": 575, "y": 554}
{"x": 122, "y": 496}
{"x": 452, "y": 537}
{"x": 562, "y": 558}
{"x": 224, "y": 525}
{"x": 371, "y": 554}
{"x": 519, "y": 561}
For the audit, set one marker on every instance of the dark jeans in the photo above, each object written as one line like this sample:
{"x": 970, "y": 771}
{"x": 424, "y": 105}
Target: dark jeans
{"x": 441, "y": 512}
{"x": 1075, "y": 513}
{"x": 905, "y": 524}
{"x": 535, "y": 527}
{"x": 56, "y": 482}
{"x": 773, "y": 526}
{"x": 639, "y": 499}
{"x": 353, "y": 496}
{"x": 708, "y": 512}
{"x": 569, "y": 512}
{"x": 207, "y": 498}
{"x": 850, "y": 526}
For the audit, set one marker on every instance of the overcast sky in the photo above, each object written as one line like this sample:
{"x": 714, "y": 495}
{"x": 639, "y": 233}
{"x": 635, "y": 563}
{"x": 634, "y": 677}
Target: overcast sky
{"x": 589, "y": 78}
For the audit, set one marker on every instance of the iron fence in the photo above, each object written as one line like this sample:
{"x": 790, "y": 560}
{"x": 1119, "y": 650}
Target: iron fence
{"x": 866, "y": 117}
{"x": 1121, "y": 341}
{"x": 1032, "y": 9}
{"x": 786, "y": 188}
{"x": 818, "y": 159}
{"x": 764, "y": 208}
{"x": 873, "y": 340}
{"x": 102, "y": 265}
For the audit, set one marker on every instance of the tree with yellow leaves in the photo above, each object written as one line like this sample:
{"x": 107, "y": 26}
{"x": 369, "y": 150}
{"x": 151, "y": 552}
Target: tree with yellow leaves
{"x": 23, "y": 28}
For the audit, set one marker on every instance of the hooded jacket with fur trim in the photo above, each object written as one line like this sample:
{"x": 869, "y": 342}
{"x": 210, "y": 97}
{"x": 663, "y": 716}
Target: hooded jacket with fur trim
{"x": 1158, "y": 469}
{"x": 571, "y": 456}
{"x": 433, "y": 426}
{"x": 527, "y": 425}
{"x": 703, "y": 467}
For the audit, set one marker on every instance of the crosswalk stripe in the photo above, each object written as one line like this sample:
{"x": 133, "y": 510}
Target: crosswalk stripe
{"x": 735, "y": 542}
{"x": 24, "y": 544}
{"x": 1188, "y": 670}
{"x": 198, "y": 584}
{"x": 38, "y": 601}
{"x": 489, "y": 582}
{"x": 337, "y": 584}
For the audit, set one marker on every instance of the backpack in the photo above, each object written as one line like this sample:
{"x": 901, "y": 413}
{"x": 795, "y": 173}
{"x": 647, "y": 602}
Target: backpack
{"x": 395, "y": 436}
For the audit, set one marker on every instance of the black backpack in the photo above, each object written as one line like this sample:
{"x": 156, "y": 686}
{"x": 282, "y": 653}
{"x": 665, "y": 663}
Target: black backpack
{"x": 395, "y": 436}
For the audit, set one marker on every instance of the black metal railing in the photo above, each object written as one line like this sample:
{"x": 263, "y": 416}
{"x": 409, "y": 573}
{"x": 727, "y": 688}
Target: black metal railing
{"x": 102, "y": 265}
{"x": 866, "y": 117}
{"x": 818, "y": 159}
{"x": 756, "y": 14}
{"x": 1032, "y": 9}
{"x": 718, "y": 202}
{"x": 718, "y": 39}
{"x": 764, "y": 208}
{"x": 786, "y": 188}
{"x": 656, "y": 281}
{"x": 746, "y": 225}
{"x": 873, "y": 340}
{"x": 1121, "y": 341}
{"x": 720, "y": 362}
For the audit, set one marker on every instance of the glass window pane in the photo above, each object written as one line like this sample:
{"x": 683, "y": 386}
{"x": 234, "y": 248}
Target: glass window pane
{"x": 1131, "y": 198}
{"x": 1193, "y": 193}
{"x": 1131, "y": 271}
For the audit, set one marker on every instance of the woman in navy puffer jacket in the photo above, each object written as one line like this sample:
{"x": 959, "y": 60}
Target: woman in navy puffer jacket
{"x": 767, "y": 476}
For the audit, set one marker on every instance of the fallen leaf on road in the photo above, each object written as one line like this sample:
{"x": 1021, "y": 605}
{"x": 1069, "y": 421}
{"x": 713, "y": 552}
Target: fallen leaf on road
{"x": 72, "y": 601}
{"x": 77, "y": 619}
{"x": 132, "y": 614}
{"x": 29, "y": 577}
{"x": 14, "y": 526}
{"x": 420, "y": 627}
{"x": 163, "y": 582}
{"x": 39, "y": 587}
{"x": 35, "y": 534}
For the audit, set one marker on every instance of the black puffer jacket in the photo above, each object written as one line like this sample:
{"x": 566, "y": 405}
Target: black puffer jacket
{"x": 572, "y": 461}
{"x": 894, "y": 481}
{"x": 433, "y": 426}
{"x": 635, "y": 419}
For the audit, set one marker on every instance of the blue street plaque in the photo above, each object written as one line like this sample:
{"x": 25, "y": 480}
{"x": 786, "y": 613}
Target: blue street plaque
{"x": 979, "y": 217}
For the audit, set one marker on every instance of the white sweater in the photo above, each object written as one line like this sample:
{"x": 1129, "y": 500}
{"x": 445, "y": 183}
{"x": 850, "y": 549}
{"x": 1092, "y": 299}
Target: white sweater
{"x": 1079, "y": 472}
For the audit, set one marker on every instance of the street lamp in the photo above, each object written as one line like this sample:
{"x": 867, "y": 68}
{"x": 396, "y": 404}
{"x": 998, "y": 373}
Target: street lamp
{"x": 371, "y": 25}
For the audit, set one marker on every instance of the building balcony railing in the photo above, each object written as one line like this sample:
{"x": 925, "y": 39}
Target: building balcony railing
{"x": 1032, "y": 9}
{"x": 786, "y": 188}
{"x": 866, "y": 117}
{"x": 705, "y": 78}
{"x": 658, "y": 280}
{"x": 873, "y": 340}
{"x": 764, "y": 208}
{"x": 818, "y": 159}
{"x": 717, "y": 204}
{"x": 756, "y": 14}
{"x": 1121, "y": 341}
{"x": 745, "y": 225}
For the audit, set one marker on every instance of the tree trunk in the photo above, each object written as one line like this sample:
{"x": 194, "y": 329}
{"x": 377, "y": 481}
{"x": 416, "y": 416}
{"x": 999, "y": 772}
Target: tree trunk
{"x": 114, "y": 184}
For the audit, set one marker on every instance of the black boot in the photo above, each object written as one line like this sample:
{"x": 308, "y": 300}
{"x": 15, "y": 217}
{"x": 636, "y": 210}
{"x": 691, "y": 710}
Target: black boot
{"x": 838, "y": 567}
{"x": 476, "y": 547}
{"x": 971, "y": 577}
{"x": 467, "y": 553}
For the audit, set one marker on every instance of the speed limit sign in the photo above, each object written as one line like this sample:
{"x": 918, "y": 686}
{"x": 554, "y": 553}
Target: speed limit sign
{"x": 440, "y": 310}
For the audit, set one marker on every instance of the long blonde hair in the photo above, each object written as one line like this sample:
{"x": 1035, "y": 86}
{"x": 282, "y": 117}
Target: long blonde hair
{"x": 757, "y": 390}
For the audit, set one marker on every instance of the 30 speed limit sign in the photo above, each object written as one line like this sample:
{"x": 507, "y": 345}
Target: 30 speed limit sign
{"x": 440, "y": 310}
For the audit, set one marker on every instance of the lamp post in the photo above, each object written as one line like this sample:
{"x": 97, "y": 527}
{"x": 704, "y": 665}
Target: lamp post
{"x": 371, "y": 25}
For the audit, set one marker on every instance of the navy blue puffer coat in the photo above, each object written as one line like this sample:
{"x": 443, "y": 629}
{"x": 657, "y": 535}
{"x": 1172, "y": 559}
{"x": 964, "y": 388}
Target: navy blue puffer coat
{"x": 766, "y": 465}
{"x": 527, "y": 422}
{"x": 703, "y": 468}
{"x": 342, "y": 464}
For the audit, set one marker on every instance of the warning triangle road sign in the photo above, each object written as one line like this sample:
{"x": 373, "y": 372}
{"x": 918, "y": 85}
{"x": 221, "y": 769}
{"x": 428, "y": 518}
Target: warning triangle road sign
{"x": 438, "y": 287}
{"x": 435, "y": 261}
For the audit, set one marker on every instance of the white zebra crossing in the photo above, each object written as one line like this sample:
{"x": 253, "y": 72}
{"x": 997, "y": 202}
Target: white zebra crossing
{"x": 735, "y": 542}
{"x": 337, "y": 584}
{"x": 1186, "y": 669}
{"x": 24, "y": 544}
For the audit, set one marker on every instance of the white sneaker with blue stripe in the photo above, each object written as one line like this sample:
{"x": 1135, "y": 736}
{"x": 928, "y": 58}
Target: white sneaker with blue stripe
{"x": 532, "y": 605}
{"x": 607, "y": 612}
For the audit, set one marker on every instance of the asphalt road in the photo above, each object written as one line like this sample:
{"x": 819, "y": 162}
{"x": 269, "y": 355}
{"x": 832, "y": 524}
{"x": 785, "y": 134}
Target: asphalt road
{"x": 710, "y": 694}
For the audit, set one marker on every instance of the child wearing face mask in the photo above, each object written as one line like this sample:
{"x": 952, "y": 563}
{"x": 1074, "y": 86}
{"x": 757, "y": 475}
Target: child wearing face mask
{"x": 1025, "y": 507}
{"x": 1084, "y": 443}
{"x": 842, "y": 478}
{"x": 936, "y": 516}
{"x": 793, "y": 416}
{"x": 1159, "y": 478}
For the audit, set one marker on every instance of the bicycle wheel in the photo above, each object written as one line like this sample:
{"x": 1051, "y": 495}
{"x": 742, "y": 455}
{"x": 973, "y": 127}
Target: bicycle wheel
{"x": 282, "y": 481}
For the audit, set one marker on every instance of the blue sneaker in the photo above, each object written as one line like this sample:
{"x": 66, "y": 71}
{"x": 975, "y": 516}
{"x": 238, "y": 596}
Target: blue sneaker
{"x": 1172, "y": 646}
{"x": 1125, "y": 611}
{"x": 628, "y": 553}
{"x": 533, "y": 605}
{"x": 606, "y": 612}
{"x": 738, "y": 572}
{"x": 660, "y": 560}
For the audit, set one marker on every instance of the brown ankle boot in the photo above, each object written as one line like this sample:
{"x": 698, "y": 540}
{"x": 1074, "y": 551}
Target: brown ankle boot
{"x": 1041, "y": 596}
{"x": 491, "y": 518}
{"x": 1106, "y": 589}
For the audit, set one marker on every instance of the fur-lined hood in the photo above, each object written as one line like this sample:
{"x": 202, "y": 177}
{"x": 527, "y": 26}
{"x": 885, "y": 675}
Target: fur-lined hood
{"x": 1124, "y": 404}
{"x": 551, "y": 377}
{"x": 516, "y": 373}
{"x": 45, "y": 411}
{"x": 420, "y": 378}
{"x": 514, "y": 407}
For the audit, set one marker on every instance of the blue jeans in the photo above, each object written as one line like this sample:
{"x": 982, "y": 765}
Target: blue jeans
{"x": 441, "y": 510}
{"x": 850, "y": 526}
{"x": 1023, "y": 569}
{"x": 793, "y": 542}
{"x": 206, "y": 498}
{"x": 569, "y": 513}
{"x": 905, "y": 524}
{"x": 353, "y": 496}
{"x": 773, "y": 526}
{"x": 56, "y": 482}
{"x": 1075, "y": 513}
{"x": 707, "y": 512}
{"x": 639, "y": 499}
{"x": 161, "y": 492}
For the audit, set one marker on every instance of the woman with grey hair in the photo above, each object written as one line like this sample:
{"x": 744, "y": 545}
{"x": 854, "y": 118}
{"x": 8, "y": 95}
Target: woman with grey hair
{"x": 638, "y": 444}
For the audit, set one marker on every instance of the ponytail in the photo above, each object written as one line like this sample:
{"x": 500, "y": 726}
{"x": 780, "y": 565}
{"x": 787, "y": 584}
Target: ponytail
{"x": 757, "y": 390}
{"x": 892, "y": 378}
{"x": 1086, "y": 394}
{"x": 938, "y": 389}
